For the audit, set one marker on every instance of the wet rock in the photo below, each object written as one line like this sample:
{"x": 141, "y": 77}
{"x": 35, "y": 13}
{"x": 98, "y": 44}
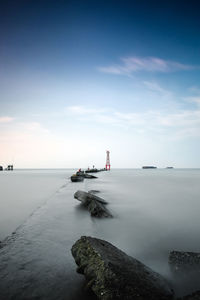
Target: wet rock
{"x": 93, "y": 191}
{"x": 88, "y": 176}
{"x": 95, "y": 204}
{"x": 92, "y": 170}
{"x": 87, "y": 197}
{"x": 193, "y": 296}
{"x": 77, "y": 178}
{"x": 183, "y": 262}
{"x": 112, "y": 274}
{"x": 185, "y": 268}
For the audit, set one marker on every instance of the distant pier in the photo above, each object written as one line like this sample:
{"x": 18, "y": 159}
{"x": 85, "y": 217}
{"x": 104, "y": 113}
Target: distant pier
{"x": 149, "y": 167}
{"x": 9, "y": 168}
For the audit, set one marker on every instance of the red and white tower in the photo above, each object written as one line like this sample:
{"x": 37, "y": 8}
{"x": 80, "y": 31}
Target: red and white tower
{"x": 107, "y": 160}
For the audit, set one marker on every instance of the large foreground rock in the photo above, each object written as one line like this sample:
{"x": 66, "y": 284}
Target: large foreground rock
{"x": 112, "y": 274}
{"x": 95, "y": 204}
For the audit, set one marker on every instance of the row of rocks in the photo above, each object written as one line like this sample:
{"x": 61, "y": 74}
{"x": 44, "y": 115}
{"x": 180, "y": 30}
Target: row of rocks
{"x": 112, "y": 274}
{"x": 80, "y": 176}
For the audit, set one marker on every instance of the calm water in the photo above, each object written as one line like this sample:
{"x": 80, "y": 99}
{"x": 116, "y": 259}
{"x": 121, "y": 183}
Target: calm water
{"x": 155, "y": 211}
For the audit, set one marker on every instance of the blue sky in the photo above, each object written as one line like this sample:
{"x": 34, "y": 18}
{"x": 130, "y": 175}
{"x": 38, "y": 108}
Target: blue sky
{"x": 78, "y": 78}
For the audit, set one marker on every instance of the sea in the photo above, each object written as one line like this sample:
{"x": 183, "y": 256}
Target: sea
{"x": 154, "y": 212}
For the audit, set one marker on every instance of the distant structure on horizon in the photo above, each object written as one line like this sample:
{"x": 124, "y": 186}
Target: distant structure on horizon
{"x": 9, "y": 168}
{"x": 149, "y": 167}
{"x": 108, "y": 160}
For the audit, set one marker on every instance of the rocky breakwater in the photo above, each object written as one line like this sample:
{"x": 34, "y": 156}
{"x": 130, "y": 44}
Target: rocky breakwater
{"x": 112, "y": 274}
{"x": 80, "y": 175}
{"x": 94, "y": 204}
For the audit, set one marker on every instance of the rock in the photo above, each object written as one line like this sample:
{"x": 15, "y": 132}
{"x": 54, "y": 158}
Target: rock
{"x": 193, "y": 296}
{"x": 92, "y": 170}
{"x": 184, "y": 262}
{"x": 97, "y": 209}
{"x": 95, "y": 204}
{"x": 185, "y": 268}
{"x": 85, "y": 175}
{"x": 87, "y": 197}
{"x": 93, "y": 191}
{"x": 80, "y": 173}
{"x": 112, "y": 274}
{"x": 88, "y": 176}
{"x": 77, "y": 178}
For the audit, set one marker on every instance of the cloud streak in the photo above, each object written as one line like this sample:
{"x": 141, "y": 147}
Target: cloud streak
{"x": 180, "y": 124}
{"x": 81, "y": 110}
{"x": 6, "y": 119}
{"x": 134, "y": 64}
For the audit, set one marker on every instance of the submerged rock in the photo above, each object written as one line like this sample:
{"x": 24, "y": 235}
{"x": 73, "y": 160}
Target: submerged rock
{"x": 185, "y": 268}
{"x": 87, "y": 197}
{"x": 95, "y": 204}
{"x": 193, "y": 296}
{"x": 93, "y": 191}
{"x": 112, "y": 274}
{"x": 77, "y": 178}
{"x": 183, "y": 262}
{"x": 88, "y": 176}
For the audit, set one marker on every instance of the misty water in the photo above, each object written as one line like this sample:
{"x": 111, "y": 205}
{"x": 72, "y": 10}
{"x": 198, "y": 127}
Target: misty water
{"x": 155, "y": 212}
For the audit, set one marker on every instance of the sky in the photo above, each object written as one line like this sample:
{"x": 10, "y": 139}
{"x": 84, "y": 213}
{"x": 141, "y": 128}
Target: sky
{"x": 78, "y": 78}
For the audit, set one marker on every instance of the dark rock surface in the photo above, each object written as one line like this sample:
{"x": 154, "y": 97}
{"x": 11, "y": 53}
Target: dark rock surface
{"x": 112, "y": 274}
{"x": 95, "y": 204}
{"x": 85, "y": 175}
{"x": 193, "y": 296}
{"x": 87, "y": 197}
{"x": 93, "y": 191}
{"x": 89, "y": 176}
{"x": 77, "y": 178}
{"x": 185, "y": 269}
{"x": 92, "y": 171}
{"x": 181, "y": 261}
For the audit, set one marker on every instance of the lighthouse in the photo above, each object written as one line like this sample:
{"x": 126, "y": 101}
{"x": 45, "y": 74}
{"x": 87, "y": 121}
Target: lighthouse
{"x": 108, "y": 160}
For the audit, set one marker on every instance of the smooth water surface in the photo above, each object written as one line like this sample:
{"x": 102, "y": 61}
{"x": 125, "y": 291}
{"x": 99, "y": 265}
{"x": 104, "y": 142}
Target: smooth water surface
{"x": 155, "y": 211}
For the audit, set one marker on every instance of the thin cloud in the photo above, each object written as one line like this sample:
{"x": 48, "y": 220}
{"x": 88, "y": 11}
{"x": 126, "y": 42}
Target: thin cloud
{"x": 185, "y": 122}
{"x": 195, "y": 100}
{"x": 20, "y": 131}
{"x": 33, "y": 127}
{"x": 6, "y": 119}
{"x": 155, "y": 87}
{"x": 81, "y": 110}
{"x": 134, "y": 64}
{"x": 164, "y": 95}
